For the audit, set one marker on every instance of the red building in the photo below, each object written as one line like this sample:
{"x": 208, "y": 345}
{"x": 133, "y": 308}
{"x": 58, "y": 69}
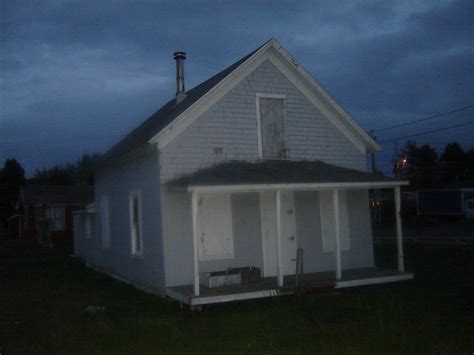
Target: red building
{"x": 45, "y": 212}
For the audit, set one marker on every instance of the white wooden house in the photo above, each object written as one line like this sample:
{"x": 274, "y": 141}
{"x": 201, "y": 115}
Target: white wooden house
{"x": 239, "y": 172}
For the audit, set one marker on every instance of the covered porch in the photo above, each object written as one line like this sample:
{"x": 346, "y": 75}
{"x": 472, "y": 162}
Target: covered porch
{"x": 268, "y": 286}
{"x": 274, "y": 181}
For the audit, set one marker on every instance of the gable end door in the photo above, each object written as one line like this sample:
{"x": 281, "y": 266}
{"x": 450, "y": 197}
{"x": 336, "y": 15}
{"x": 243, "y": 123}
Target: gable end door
{"x": 272, "y": 122}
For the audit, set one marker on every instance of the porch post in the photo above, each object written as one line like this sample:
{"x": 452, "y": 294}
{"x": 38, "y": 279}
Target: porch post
{"x": 278, "y": 227}
{"x": 194, "y": 203}
{"x": 401, "y": 266}
{"x": 337, "y": 250}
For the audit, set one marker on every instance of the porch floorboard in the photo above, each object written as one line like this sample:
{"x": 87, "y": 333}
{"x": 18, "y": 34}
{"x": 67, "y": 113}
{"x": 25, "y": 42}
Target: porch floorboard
{"x": 268, "y": 287}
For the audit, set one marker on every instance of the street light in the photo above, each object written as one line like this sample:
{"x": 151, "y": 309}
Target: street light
{"x": 401, "y": 164}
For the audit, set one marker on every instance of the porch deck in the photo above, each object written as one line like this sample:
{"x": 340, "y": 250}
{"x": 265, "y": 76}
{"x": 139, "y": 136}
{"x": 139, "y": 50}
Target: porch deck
{"x": 268, "y": 287}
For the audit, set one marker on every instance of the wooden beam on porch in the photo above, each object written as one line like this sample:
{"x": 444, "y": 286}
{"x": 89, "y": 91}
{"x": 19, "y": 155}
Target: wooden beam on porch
{"x": 195, "y": 206}
{"x": 279, "y": 251}
{"x": 401, "y": 265}
{"x": 337, "y": 230}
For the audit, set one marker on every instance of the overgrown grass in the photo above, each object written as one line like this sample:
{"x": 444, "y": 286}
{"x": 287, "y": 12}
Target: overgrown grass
{"x": 43, "y": 296}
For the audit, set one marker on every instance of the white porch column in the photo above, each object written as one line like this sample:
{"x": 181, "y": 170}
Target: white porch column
{"x": 278, "y": 227}
{"x": 401, "y": 266}
{"x": 337, "y": 229}
{"x": 194, "y": 204}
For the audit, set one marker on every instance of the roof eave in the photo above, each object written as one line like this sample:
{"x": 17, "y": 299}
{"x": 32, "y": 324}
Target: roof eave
{"x": 297, "y": 186}
{"x": 371, "y": 145}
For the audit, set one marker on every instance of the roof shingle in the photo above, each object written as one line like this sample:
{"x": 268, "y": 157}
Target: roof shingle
{"x": 275, "y": 172}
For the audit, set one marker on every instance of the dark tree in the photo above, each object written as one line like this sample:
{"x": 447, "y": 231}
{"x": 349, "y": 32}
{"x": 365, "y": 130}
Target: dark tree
{"x": 85, "y": 169}
{"x": 57, "y": 175}
{"x": 452, "y": 166}
{"x": 469, "y": 163}
{"x": 12, "y": 178}
{"x": 13, "y": 174}
{"x": 453, "y": 152}
{"x": 416, "y": 164}
{"x": 79, "y": 173}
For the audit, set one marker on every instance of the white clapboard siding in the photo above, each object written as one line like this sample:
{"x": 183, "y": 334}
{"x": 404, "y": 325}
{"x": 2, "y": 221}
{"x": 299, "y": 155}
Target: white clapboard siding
{"x": 105, "y": 221}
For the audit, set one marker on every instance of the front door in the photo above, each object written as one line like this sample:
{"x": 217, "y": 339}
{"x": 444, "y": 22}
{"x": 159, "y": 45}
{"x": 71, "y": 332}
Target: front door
{"x": 288, "y": 233}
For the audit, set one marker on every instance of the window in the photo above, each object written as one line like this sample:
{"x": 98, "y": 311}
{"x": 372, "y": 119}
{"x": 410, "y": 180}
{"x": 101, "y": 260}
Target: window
{"x": 105, "y": 221}
{"x": 87, "y": 226}
{"x": 215, "y": 227}
{"x": 328, "y": 230}
{"x": 55, "y": 216}
{"x": 135, "y": 224}
{"x": 271, "y": 126}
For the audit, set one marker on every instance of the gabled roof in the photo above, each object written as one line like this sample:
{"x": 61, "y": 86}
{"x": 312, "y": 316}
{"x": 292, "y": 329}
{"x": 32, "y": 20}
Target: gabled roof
{"x": 264, "y": 172}
{"x": 166, "y": 114}
{"x": 164, "y": 120}
{"x": 62, "y": 195}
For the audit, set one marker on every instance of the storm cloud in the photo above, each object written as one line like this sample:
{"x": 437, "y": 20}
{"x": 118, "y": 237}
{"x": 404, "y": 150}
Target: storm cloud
{"x": 78, "y": 75}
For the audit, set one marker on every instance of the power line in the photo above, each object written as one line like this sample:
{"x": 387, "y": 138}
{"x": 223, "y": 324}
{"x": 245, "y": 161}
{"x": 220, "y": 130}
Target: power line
{"x": 427, "y": 132}
{"x": 423, "y": 119}
{"x": 464, "y": 140}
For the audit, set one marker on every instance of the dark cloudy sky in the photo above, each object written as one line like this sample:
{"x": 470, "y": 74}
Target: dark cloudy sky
{"x": 78, "y": 75}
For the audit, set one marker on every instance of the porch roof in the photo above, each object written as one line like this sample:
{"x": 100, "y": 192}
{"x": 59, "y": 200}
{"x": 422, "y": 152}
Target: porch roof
{"x": 280, "y": 174}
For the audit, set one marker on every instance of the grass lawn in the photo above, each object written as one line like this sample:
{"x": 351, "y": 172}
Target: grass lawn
{"x": 43, "y": 296}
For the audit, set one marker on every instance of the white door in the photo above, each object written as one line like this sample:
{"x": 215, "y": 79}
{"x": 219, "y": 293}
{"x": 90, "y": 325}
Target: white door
{"x": 288, "y": 235}
{"x": 215, "y": 227}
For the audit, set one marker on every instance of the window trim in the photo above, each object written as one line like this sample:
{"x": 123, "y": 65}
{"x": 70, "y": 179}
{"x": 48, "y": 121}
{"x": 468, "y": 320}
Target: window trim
{"x": 134, "y": 252}
{"x": 88, "y": 226}
{"x": 51, "y": 214}
{"x": 258, "y": 96}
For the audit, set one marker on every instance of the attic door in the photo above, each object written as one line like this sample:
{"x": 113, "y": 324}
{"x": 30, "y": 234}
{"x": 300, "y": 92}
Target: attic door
{"x": 273, "y": 128}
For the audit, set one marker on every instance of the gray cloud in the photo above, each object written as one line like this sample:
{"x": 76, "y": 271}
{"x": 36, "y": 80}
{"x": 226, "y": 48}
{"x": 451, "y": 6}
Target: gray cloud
{"x": 77, "y": 75}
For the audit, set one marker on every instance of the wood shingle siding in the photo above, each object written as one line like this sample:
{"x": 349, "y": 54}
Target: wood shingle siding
{"x": 231, "y": 124}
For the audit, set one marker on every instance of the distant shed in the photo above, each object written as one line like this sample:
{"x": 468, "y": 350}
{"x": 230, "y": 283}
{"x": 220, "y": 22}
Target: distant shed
{"x": 48, "y": 208}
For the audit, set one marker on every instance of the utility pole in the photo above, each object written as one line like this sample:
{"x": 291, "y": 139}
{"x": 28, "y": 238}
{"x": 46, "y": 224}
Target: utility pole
{"x": 371, "y": 134}
{"x": 376, "y": 192}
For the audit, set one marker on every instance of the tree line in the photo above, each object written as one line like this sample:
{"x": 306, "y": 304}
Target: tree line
{"x": 79, "y": 173}
{"x": 424, "y": 167}
{"x": 12, "y": 177}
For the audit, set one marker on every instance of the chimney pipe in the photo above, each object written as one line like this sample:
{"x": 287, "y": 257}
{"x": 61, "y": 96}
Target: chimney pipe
{"x": 180, "y": 93}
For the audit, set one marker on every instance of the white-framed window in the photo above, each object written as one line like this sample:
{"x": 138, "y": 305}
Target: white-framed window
{"x": 87, "y": 226}
{"x": 136, "y": 223}
{"x": 216, "y": 240}
{"x": 105, "y": 221}
{"x": 327, "y": 217}
{"x": 271, "y": 126}
{"x": 55, "y": 215}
